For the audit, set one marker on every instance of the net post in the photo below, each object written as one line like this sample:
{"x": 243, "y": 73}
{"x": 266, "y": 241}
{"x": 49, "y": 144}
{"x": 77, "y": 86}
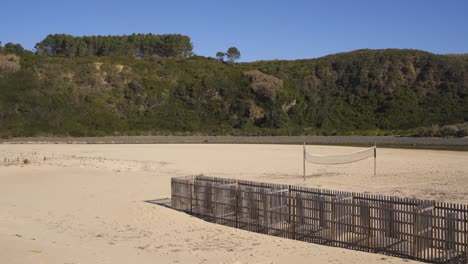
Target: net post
{"x": 375, "y": 158}
{"x": 303, "y": 161}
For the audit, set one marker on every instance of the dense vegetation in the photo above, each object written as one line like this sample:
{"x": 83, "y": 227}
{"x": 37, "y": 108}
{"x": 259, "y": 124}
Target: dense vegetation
{"x": 456, "y": 130}
{"x": 365, "y": 91}
{"x": 13, "y": 48}
{"x": 138, "y": 45}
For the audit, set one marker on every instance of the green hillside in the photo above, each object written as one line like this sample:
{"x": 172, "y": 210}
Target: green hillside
{"x": 118, "y": 94}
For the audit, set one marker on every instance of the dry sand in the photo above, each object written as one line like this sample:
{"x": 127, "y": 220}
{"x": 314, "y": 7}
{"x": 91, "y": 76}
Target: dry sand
{"x": 86, "y": 203}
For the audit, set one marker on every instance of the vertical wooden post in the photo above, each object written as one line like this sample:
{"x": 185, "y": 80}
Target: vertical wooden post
{"x": 450, "y": 231}
{"x": 423, "y": 216}
{"x": 237, "y": 206}
{"x": 209, "y": 198}
{"x": 333, "y": 216}
{"x": 369, "y": 231}
{"x": 173, "y": 191}
{"x": 294, "y": 216}
{"x": 389, "y": 219}
{"x": 364, "y": 214}
{"x": 466, "y": 231}
{"x": 304, "y": 160}
{"x": 190, "y": 190}
{"x": 195, "y": 194}
{"x": 299, "y": 209}
{"x": 265, "y": 208}
{"x": 422, "y": 226}
{"x": 415, "y": 232}
{"x": 322, "y": 220}
{"x": 375, "y": 158}
{"x": 290, "y": 203}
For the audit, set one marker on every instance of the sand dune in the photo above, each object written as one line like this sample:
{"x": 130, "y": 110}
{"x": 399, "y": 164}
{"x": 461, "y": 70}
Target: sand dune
{"x": 86, "y": 203}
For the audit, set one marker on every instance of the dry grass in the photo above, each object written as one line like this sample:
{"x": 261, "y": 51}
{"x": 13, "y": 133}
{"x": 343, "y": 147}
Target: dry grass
{"x": 119, "y": 68}
{"x": 98, "y": 65}
{"x": 9, "y": 63}
{"x": 255, "y": 112}
{"x": 264, "y": 85}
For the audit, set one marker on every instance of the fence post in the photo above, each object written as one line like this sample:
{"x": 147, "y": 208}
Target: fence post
{"x": 195, "y": 194}
{"x": 450, "y": 231}
{"x": 294, "y": 216}
{"x": 416, "y": 221}
{"x": 364, "y": 213}
{"x": 321, "y": 201}
{"x": 369, "y": 229}
{"x": 265, "y": 208}
{"x": 173, "y": 191}
{"x": 299, "y": 209}
{"x": 190, "y": 189}
{"x": 466, "y": 232}
{"x": 333, "y": 216}
{"x": 290, "y": 201}
{"x": 389, "y": 219}
{"x": 422, "y": 227}
{"x": 237, "y": 207}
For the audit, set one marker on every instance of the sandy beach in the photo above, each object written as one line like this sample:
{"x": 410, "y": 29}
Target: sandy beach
{"x": 73, "y": 203}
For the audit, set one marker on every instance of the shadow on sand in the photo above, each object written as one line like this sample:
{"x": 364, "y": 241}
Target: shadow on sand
{"x": 166, "y": 202}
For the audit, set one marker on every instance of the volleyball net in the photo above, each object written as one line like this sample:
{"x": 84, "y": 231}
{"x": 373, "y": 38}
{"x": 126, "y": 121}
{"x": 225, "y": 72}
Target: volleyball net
{"x": 345, "y": 158}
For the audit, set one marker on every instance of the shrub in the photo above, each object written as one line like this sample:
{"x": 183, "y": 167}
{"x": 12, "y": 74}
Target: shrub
{"x": 155, "y": 57}
{"x": 433, "y": 131}
{"x": 265, "y": 86}
{"x": 462, "y": 125}
{"x": 449, "y": 131}
{"x": 462, "y": 132}
{"x": 421, "y": 131}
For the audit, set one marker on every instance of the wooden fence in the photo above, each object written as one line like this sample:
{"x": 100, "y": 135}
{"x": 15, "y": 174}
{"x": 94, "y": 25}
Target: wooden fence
{"x": 410, "y": 228}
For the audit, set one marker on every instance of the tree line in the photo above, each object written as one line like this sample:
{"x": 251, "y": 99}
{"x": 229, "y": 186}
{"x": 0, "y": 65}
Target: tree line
{"x": 135, "y": 45}
{"x": 138, "y": 45}
{"x": 13, "y": 48}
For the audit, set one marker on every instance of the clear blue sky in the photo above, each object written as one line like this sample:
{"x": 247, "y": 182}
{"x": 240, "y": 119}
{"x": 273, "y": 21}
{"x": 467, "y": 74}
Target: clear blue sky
{"x": 262, "y": 30}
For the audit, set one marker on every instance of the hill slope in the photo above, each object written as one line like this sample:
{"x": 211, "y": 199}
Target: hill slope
{"x": 360, "y": 90}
